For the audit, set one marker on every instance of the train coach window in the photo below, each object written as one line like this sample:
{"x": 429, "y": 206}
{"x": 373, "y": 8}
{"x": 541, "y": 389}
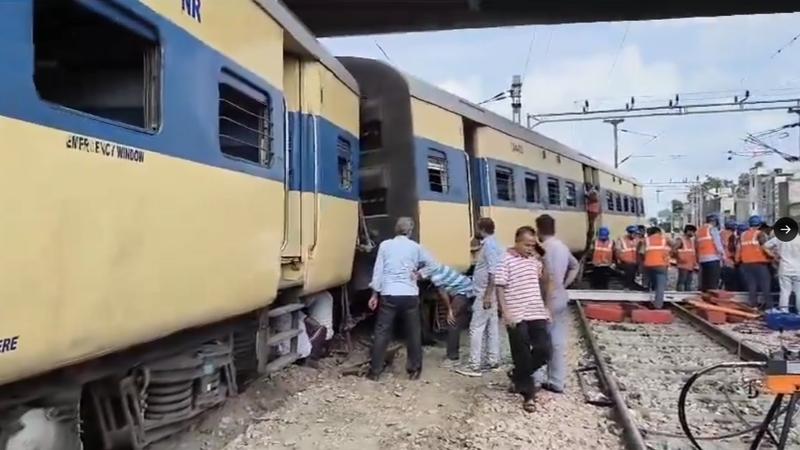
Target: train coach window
{"x": 87, "y": 62}
{"x": 437, "y": 171}
{"x": 245, "y": 128}
{"x": 571, "y": 194}
{"x": 553, "y": 191}
{"x": 626, "y": 204}
{"x": 371, "y": 135}
{"x": 504, "y": 180}
{"x": 344, "y": 162}
{"x": 532, "y": 194}
{"x": 618, "y": 203}
{"x": 610, "y": 201}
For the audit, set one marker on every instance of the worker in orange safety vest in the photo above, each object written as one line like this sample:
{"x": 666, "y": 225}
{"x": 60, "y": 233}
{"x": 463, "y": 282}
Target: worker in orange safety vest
{"x": 656, "y": 250}
{"x": 686, "y": 257}
{"x": 602, "y": 258}
{"x": 754, "y": 263}
{"x": 628, "y": 257}
{"x": 708, "y": 244}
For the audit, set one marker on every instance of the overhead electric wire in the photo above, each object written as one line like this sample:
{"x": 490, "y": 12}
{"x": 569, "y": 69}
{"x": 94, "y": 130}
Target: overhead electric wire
{"x": 385, "y": 55}
{"x": 530, "y": 50}
{"x": 785, "y": 46}
{"x": 619, "y": 50}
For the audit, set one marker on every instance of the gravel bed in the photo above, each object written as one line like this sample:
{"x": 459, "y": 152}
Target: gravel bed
{"x": 443, "y": 410}
{"x": 651, "y": 364}
{"x": 756, "y": 334}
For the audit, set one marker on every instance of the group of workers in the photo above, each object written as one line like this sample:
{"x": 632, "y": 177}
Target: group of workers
{"x": 524, "y": 286}
{"x": 735, "y": 258}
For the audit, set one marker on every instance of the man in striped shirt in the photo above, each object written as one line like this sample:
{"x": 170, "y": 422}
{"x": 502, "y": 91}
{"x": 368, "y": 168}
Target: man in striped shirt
{"x": 519, "y": 278}
{"x": 455, "y": 293}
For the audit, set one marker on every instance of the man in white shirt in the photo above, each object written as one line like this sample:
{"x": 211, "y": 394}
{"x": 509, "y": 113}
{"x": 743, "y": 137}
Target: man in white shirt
{"x": 788, "y": 256}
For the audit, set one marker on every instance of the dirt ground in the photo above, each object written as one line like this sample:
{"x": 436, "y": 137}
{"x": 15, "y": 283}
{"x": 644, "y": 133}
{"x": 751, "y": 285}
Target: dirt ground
{"x": 304, "y": 408}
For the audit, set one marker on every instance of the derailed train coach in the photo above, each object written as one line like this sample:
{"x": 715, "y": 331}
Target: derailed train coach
{"x": 177, "y": 177}
{"x": 445, "y": 162}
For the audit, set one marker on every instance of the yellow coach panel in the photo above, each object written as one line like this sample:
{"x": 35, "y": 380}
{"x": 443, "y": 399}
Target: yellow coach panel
{"x": 330, "y": 261}
{"x": 239, "y": 29}
{"x": 494, "y": 144}
{"x": 570, "y": 225}
{"x": 617, "y": 223}
{"x": 340, "y": 105}
{"x": 437, "y": 124}
{"x": 445, "y": 231}
{"x": 130, "y": 253}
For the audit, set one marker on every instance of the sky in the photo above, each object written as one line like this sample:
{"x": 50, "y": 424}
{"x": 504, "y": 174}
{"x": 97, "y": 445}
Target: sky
{"x": 702, "y": 59}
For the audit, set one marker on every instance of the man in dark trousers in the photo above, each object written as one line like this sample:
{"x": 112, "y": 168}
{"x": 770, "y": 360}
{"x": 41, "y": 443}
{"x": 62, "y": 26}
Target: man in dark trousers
{"x": 710, "y": 253}
{"x": 518, "y": 279}
{"x": 394, "y": 278}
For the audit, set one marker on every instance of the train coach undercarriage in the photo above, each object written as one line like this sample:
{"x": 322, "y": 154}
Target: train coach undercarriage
{"x": 159, "y": 396}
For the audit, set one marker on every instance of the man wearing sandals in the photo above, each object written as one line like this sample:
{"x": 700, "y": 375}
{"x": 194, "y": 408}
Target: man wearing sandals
{"x": 518, "y": 279}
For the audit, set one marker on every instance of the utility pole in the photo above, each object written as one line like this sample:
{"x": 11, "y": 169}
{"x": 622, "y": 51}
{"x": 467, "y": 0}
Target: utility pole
{"x": 796, "y": 110}
{"x": 615, "y": 123}
{"x": 516, "y": 99}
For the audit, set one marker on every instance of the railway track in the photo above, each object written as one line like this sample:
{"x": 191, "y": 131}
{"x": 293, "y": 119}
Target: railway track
{"x": 643, "y": 368}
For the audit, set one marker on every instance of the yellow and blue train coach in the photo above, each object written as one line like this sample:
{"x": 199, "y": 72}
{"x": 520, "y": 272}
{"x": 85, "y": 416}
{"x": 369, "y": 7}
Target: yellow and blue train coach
{"x": 413, "y": 162}
{"x": 445, "y": 161}
{"x": 154, "y": 169}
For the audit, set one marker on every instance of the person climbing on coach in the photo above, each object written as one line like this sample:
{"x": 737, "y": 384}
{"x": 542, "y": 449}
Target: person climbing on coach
{"x": 520, "y": 277}
{"x": 686, "y": 257}
{"x": 562, "y": 269}
{"x": 755, "y": 262}
{"x": 484, "y": 327}
{"x": 709, "y": 253}
{"x": 656, "y": 251}
{"x": 602, "y": 258}
{"x": 394, "y": 279}
{"x": 728, "y": 272}
{"x": 455, "y": 293}
{"x": 628, "y": 257}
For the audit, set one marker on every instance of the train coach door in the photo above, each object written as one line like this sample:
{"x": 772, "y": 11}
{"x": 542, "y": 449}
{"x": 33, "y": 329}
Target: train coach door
{"x": 291, "y": 250}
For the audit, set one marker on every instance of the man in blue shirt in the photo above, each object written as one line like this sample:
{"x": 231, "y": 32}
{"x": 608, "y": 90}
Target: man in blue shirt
{"x": 484, "y": 309}
{"x": 394, "y": 278}
{"x": 455, "y": 292}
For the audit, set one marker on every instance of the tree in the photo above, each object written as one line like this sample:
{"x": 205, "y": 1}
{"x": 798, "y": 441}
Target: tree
{"x": 652, "y": 221}
{"x": 665, "y": 215}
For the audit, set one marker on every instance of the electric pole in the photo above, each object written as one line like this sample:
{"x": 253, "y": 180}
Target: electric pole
{"x": 615, "y": 123}
{"x": 516, "y": 99}
{"x": 796, "y": 110}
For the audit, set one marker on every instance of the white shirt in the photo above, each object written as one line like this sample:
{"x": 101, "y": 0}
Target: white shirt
{"x": 789, "y": 259}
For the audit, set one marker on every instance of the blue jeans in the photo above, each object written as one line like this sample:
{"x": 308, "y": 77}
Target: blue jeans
{"x": 658, "y": 283}
{"x": 757, "y": 279}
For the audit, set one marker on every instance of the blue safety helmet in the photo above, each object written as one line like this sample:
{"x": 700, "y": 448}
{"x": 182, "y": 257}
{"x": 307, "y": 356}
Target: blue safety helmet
{"x": 712, "y": 218}
{"x": 632, "y": 229}
{"x": 730, "y": 225}
{"x": 603, "y": 233}
{"x": 755, "y": 221}
{"x": 742, "y": 228}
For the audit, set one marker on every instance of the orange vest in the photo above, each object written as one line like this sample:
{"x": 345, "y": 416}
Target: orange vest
{"x": 602, "y": 253}
{"x": 656, "y": 251}
{"x": 725, "y": 236}
{"x": 751, "y": 251}
{"x": 705, "y": 242}
{"x": 687, "y": 258}
{"x": 627, "y": 251}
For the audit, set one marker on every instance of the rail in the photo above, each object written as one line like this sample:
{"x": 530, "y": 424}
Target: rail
{"x": 633, "y": 407}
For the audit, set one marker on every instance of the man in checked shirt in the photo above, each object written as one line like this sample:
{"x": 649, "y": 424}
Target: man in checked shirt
{"x": 519, "y": 278}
